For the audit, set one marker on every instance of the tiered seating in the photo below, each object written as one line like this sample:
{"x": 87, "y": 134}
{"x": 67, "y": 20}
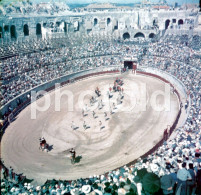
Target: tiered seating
{"x": 158, "y": 172}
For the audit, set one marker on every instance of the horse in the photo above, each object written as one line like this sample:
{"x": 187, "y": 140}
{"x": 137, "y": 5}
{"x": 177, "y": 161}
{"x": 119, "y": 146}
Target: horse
{"x": 119, "y": 81}
{"x": 114, "y": 88}
{"x": 92, "y": 100}
{"x": 73, "y": 155}
{"x": 43, "y": 145}
{"x": 97, "y": 91}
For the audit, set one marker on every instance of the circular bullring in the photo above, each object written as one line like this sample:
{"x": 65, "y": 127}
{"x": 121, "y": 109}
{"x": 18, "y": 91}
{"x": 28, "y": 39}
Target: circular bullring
{"x": 133, "y": 129}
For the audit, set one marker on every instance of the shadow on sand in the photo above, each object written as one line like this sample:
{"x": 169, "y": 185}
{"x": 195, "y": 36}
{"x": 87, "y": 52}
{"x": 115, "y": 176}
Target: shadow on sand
{"x": 77, "y": 159}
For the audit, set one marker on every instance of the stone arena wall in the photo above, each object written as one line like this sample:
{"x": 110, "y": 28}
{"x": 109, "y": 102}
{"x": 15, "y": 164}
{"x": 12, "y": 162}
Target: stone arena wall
{"x": 114, "y": 23}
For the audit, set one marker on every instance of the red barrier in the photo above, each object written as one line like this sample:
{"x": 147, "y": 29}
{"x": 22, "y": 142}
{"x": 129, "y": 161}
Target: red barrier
{"x": 161, "y": 78}
{"x": 160, "y": 143}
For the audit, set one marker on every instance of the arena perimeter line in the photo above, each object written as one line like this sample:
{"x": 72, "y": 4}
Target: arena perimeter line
{"x": 127, "y": 135}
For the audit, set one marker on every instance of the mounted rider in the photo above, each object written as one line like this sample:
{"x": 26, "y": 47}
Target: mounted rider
{"x": 73, "y": 155}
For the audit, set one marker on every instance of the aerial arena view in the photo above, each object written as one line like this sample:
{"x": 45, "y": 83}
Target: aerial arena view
{"x": 100, "y": 98}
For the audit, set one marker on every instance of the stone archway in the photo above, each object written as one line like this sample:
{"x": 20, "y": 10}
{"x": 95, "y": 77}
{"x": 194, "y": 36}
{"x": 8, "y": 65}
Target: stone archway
{"x": 1, "y": 32}
{"x": 139, "y": 34}
{"x": 154, "y": 22}
{"x": 38, "y": 29}
{"x": 152, "y": 35}
{"x": 167, "y": 23}
{"x": 126, "y": 36}
{"x": 95, "y": 21}
{"x": 180, "y": 22}
{"x": 108, "y": 21}
{"x": 26, "y": 30}
{"x": 13, "y": 32}
{"x": 65, "y": 27}
{"x": 6, "y": 28}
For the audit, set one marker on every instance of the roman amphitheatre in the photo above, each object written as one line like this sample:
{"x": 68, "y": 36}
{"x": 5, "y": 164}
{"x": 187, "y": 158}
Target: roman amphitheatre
{"x": 99, "y": 98}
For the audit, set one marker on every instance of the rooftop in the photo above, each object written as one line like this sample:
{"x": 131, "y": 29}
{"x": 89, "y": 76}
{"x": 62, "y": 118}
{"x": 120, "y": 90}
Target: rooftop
{"x": 101, "y": 6}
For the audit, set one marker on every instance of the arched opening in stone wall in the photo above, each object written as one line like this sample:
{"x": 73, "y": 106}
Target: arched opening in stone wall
{"x": 13, "y": 32}
{"x": 65, "y": 27}
{"x": 116, "y": 26}
{"x": 180, "y": 22}
{"x": 108, "y": 21}
{"x": 38, "y": 29}
{"x": 26, "y": 30}
{"x": 51, "y": 24}
{"x": 95, "y": 21}
{"x": 76, "y": 26}
{"x": 154, "y": 22}
{"x": 126, "y": 36}
{"x": 139, "y": 34}
{"x": 167, "y": 23}
{"x": 152, "y": 35}
{"x": 58, "y": 23}
{"x": 1, "y": 32}
{"x": 6, "y": 28}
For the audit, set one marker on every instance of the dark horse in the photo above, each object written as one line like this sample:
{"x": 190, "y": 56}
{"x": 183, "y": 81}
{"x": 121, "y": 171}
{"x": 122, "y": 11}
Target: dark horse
{"x": 97, "y": 91}
{"x": 73, "y": 155}
{"x": 43, "y": 145}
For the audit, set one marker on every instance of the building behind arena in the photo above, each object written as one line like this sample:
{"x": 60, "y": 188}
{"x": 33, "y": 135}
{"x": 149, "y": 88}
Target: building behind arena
{"x": 27, "y": 21}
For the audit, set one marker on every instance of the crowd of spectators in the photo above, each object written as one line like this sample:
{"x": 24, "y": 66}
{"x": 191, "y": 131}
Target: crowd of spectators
{"x": 25, "y": 71}
{"x": 175, "y": 167}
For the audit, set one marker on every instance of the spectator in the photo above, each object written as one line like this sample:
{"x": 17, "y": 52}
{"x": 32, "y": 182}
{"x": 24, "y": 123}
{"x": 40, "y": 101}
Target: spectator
{"x": 183, "y": 175}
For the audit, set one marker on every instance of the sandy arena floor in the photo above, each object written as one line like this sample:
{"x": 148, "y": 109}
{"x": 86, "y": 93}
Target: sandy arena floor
{"x": 127, "y": 134}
